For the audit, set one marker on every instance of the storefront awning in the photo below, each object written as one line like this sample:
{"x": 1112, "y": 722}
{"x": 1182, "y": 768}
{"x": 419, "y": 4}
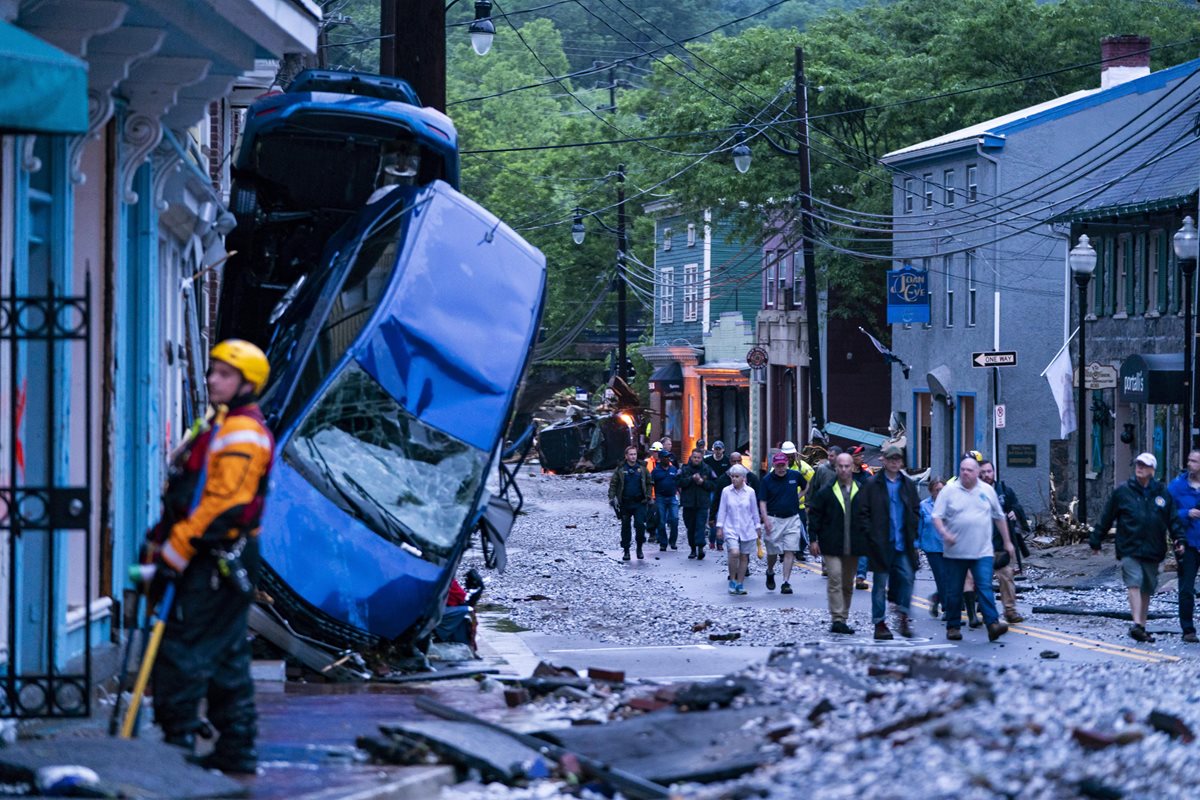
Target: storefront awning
{"x": 45, "y": 90}
{"x": 667, "y": 379}
{"x": 1156, "y": 379}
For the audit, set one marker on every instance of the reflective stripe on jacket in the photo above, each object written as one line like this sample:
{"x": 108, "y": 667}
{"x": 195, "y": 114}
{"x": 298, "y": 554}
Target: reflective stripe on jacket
{"x": 236, "y": 459}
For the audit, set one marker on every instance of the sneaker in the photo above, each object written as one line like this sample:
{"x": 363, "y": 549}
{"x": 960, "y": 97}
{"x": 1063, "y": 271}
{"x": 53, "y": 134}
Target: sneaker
{"x": 787, "y": 589}
{"x": 741, "y": 589}
{"x": 882, "y": 634}
{"x": 841, "y": 627}
{"x": 770, "y": 581}
{"x": 733, "y": 587}
{"x": 1013, "y": 617}
{"x": 1191, "y": 638}
{"x": 861, "y": 583}
{"x": 954, "y": 634}
{"x": 996, "y": 630}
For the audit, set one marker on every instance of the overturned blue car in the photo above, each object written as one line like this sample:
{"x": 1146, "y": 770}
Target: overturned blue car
{"x": 396, "y": 360}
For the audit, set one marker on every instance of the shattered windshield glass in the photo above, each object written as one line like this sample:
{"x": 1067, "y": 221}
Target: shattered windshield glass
{"x": 363, "y": 451}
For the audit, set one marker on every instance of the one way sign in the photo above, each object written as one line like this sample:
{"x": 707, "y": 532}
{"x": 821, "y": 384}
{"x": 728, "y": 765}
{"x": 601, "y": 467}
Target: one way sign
{"x": 997, "y": 358}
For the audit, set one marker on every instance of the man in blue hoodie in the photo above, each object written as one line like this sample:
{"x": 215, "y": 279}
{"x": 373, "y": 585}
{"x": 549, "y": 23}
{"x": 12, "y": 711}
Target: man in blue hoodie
{"x": 1185, "y": 490}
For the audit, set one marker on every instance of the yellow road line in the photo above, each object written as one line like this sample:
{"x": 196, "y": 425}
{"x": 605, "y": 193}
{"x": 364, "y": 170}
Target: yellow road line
{"x": 1058, "y": 637}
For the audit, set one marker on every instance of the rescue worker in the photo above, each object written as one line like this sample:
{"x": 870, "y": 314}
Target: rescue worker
{"x": 798, "y": 464}
{"x": 212, "y": 554}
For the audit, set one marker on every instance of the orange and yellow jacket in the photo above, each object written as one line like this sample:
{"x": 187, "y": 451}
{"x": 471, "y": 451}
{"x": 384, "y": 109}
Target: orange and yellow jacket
{"x": 231, "y": 461}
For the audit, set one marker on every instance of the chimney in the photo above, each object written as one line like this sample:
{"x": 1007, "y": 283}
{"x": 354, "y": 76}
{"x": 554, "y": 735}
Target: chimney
{"x": 1123, "y": 58}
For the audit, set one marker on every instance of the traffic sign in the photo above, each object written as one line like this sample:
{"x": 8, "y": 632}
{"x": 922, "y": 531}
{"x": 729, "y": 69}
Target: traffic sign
{"x": 997, "y": 358}
{"x": 1001, "y": 416}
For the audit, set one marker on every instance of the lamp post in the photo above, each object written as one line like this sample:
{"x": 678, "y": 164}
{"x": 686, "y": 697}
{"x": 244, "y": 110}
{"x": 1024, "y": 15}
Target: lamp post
{"x": 1082, "y": 259}
{"x": 1185, "y": 252}
{"x": 578, "y": 232}
{"x": 741, "y": 162}
{"x": 412, "y": 42}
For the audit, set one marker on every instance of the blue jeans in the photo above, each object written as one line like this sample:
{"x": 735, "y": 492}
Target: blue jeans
{"x": 955, "y": 573}
{"x": 862, "y": 568}
{"x": 668, "y": 515}
{"x": 937, "y": 566}
{"x": 901, "y": 578}
{"x": 1189, "y": 565}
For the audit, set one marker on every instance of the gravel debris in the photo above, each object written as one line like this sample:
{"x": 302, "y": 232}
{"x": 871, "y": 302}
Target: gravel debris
{"x": 971, "y": 730}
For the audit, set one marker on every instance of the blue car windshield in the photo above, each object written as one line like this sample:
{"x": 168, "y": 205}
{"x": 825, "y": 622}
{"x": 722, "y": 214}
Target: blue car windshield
{"x": 365, "y": 452}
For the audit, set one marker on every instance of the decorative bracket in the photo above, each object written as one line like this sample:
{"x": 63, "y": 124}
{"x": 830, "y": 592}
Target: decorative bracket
{"x": 143, "y": 133}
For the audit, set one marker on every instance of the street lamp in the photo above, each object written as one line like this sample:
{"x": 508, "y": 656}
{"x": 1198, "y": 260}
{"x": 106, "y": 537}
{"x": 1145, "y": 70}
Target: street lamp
{"x": 578, "y": 232}
{"x": 741, "y": 161}
{"x": 741, "y": 154}
{"x": 1185, "y": 253}
{"x": 1082, "y": 259}
{"x": 482, "y": 30}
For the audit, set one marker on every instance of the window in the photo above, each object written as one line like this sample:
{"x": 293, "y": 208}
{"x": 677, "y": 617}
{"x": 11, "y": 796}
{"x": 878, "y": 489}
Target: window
{"x": 666, "y": 295}
{"x": 925, "y": 265}
{"x": 948, "y": 187}
{"x": 948, "y": 276}
{"x": 1124, "y": 277}
{"x": 972, "y": 183}
{"x": 366, "y": 453}
{"x": 966, "y": 425}
{"x": 923, "y": 409}
{"x": 666, "y": 238}
{"x": 771, "y": 269}
{"x": 691, "y": 234}
{"x": 1155, "y": 294}
{"x": 908, "y": 195}
{"x": 691, "y": 292}
{"x": 1100, "y": 279}
{"x": 971, "y": 292}
{"x": 927, "y": 188}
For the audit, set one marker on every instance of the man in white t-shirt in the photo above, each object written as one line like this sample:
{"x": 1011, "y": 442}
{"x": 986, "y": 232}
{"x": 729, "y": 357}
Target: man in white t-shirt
{"x": 963, "y": 515}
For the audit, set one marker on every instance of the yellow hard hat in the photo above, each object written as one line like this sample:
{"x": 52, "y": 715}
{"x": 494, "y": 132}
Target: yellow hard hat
{"x": 246, "y": 358}
{"x": 656, "y": 446}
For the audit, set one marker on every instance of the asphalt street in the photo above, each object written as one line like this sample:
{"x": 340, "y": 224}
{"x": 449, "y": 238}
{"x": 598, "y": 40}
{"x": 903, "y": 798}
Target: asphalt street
{"x": 670, "y": 597}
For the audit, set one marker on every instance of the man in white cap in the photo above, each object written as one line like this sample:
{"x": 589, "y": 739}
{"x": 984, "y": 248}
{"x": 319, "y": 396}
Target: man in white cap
{"x": 798, "y": 464}
{"x": 1144, "y": 513}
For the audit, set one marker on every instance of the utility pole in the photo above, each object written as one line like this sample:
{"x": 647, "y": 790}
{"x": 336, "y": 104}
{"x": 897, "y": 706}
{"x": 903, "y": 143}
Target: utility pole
{"x": 815, "y": 394}
{"x": 622, "y": 373}
{"x": 413, "y": 46}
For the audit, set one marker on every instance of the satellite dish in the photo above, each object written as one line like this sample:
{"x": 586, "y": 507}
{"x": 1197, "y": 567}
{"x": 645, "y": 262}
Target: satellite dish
{"x": 938, "y": 379}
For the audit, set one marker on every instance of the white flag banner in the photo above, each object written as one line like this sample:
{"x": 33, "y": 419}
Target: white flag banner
{"x": 1060, "y": 375}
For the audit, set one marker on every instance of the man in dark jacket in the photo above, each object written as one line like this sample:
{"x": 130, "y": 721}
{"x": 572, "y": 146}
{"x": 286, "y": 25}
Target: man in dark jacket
{"x": 891, "y": 508}
{"x": 839, "y": 536}
{"x": 628, "y": 494}
{"x": 665, "y": 478}
{"x": 1001, "y": 566}
{"x": 1185, "y": 491}
{"x": 696, "y": 484}
{"x": 718, "y": 462}
{"x": 1144, "y": 513}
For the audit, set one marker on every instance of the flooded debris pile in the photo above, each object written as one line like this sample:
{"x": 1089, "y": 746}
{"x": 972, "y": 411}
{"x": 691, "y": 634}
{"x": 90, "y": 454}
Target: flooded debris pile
{"x": 864, "y": 723}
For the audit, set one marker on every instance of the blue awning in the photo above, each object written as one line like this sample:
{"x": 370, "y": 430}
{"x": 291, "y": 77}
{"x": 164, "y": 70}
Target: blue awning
{"x": 42, "y": 89}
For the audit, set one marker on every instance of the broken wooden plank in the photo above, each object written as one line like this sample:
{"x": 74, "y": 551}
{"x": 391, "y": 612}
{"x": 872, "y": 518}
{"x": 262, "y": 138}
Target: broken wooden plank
{"x": 496, "y": 756}
{"x": 628, "y": 784}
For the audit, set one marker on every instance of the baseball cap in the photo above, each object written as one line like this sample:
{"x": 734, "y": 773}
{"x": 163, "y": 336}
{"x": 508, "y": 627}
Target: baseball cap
{"x": 718, "y": 445}
{"x": 856, "y": 450}
{"x": 788, "y": 447}
{"x": 779, "y": 458}
{"x": 893, "y": 450}
{"x": 1147, "y": 459}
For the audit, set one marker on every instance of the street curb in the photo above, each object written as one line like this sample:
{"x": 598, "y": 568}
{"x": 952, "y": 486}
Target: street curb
{"x": 417, "y": 783}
